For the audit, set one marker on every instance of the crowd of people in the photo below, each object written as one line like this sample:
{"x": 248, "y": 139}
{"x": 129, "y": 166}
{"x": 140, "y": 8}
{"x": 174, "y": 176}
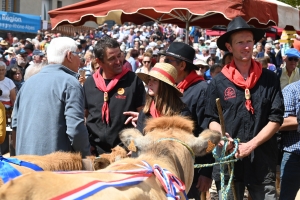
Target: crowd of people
{"x": 77, "y": 93}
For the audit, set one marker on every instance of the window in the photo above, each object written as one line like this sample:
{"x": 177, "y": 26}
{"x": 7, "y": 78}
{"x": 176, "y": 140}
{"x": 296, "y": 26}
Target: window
{"x": 9, "y": 5}
{"x": 59, "y": 4}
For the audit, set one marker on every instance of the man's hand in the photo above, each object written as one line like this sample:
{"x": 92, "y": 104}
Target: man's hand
{"x": 81, "y": 80}
{"x": 133, "y": 117}
{"x": 230, "y": 144}
{"x": 244, "y": 150}
{"x": 204, "y": 183}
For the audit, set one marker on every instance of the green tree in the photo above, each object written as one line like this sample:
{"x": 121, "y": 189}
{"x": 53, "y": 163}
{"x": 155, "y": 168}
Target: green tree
{"x": 294, "y": 3}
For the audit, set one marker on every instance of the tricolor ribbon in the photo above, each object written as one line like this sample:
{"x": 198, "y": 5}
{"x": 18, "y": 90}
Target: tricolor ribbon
{"x": 171, "y": 184}
{"x": 95, "y": 186}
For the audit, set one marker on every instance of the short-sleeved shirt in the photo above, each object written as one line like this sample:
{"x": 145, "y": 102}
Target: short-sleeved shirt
{"x": 267, "y": 100}
{"x": 127, "y": 95}
{"x": 6, "y": 85}
{"x": 291, "y": 95}
{"x": 285, "y": 79}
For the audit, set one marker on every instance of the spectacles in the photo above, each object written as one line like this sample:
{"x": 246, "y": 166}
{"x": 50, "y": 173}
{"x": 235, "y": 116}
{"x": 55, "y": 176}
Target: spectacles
{"x": 293, "y": 59}
{"x": 75, "y": 52}
{"x": 167, "y": 60}
{"x": 146, "y": 61}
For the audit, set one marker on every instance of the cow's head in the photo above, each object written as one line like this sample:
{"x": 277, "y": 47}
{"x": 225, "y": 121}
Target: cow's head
{"x": 171, "y": 127}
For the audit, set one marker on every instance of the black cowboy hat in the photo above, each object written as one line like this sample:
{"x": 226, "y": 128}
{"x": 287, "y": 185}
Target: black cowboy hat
{"x": 238, "y": 24}
{"x": 181, "y": 51}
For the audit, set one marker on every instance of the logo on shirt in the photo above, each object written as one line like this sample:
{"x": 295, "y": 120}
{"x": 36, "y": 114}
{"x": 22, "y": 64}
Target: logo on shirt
{"x": 229, "y": 93}
{"x": 121, "y": 91}
{"x": 120, "y": 95}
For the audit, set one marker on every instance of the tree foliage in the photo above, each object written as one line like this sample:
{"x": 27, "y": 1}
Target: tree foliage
{"x": 294, "y": 3}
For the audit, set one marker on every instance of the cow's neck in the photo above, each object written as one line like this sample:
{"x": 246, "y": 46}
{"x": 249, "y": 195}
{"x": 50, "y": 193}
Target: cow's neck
{"x": 176, "y": 158}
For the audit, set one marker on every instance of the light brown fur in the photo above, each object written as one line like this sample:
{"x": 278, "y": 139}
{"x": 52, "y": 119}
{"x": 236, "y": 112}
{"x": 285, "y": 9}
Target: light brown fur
{"x": 106, "y": 159}
{"x": 168, "y": 154}
{"x": 57, "y": 161}
{"x": 66, "y": 161}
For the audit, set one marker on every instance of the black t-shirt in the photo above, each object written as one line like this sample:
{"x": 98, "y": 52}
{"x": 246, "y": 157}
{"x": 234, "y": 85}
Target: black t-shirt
{"x": 127, "y": 95}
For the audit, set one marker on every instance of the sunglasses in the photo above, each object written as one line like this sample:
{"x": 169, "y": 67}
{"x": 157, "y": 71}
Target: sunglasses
{"x": 167, "y": 60}
{"x": 293, "y": 59}
{"x": 146, "y": 61}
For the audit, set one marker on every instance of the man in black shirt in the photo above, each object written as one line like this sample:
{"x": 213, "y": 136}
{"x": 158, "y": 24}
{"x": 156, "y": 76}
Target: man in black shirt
{"x": 111, "y": 90}
{"x": 253, "y": 109}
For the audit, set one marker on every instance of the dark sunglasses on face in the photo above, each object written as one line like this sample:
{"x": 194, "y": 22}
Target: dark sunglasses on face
{"x": 293, "y": 59}
{"x": 146, "y": 61}
{"x": 167, "y": 60}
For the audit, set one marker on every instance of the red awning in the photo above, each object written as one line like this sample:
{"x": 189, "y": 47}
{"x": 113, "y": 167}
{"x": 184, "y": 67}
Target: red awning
{"x": 184, "y": 13}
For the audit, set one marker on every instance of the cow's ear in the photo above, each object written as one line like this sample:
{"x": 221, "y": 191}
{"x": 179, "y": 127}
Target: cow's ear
{"x": 205, "y": 143}
{"x": 129, "y": 135}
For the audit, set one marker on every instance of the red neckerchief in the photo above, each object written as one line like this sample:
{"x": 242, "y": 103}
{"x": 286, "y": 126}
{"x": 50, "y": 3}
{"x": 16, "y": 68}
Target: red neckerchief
{"x": 235, "y": 76}
{"x": 153, "y": 111}
{"x": 193, "y": 77}
{"x": 100, "y": 83}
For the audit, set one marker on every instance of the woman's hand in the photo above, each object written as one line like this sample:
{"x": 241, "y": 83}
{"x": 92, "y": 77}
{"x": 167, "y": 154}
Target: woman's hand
{"x": 133, "y": 117}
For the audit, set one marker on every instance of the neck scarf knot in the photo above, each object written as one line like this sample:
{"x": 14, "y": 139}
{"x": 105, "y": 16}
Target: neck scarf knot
{"x": 100, "y": 84}
{"x": 231, "y": 72}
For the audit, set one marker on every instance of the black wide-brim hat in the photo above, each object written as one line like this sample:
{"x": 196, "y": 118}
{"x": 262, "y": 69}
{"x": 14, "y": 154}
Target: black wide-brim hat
{"x": 238, "y": 24}
{"x": 181, "y": 51}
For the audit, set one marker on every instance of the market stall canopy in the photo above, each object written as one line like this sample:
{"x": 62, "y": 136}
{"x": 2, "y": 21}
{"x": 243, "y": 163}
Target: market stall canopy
{"x": 184, "y": 13}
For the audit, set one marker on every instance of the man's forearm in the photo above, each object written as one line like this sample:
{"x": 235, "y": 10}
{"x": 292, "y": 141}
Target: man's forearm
{"x": 289, "y": 124}
{"x": 265, "y": 134}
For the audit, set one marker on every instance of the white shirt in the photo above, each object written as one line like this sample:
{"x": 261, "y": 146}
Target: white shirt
{"x": 6, "y": 85}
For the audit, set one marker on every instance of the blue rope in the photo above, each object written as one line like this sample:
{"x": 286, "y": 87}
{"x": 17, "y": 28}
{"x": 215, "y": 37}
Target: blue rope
{"x": 221, "y": 160}
{"x": 223, "y": 157}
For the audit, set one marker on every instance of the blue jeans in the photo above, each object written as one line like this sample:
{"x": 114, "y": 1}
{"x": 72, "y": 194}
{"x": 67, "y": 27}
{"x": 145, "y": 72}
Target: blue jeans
{"x": 290, "y": 176}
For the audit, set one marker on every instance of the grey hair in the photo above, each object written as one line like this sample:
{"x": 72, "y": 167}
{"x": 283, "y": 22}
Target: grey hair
{"x": 2, "y": 64}
{"x": 58, "y": 49}
{"x": 268, "y": 45}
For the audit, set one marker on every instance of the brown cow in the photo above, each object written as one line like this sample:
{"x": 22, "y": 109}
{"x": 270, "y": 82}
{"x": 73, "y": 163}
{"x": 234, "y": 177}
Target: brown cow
{"x": 66, "y": 161}
{"x": 168, "y": 142}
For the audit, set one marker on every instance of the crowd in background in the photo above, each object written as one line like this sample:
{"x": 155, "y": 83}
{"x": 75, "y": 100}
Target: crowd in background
{"x": 141, "y": 48}
{"x": 136, "y": 42}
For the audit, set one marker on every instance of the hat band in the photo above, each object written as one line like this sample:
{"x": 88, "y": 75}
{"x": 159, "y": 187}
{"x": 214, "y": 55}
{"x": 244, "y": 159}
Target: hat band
{"x": 164, "y": 73}
{"x": 180, "y": 57}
